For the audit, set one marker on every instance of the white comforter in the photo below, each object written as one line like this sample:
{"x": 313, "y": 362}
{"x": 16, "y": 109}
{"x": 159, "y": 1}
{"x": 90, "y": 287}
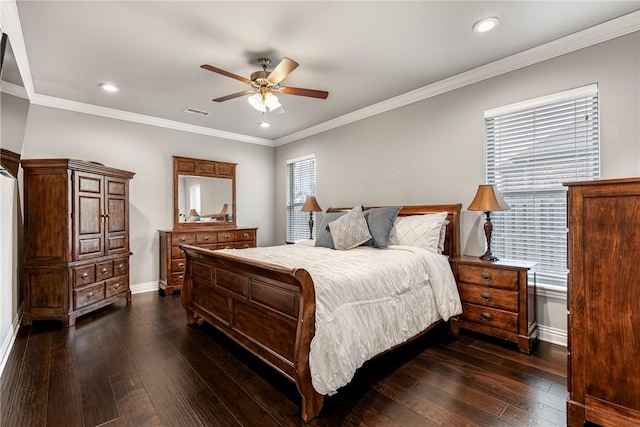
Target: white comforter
{"x": 367, "y": 301}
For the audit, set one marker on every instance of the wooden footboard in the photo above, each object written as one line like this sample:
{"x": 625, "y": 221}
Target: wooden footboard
{"x": 266, "y": 308}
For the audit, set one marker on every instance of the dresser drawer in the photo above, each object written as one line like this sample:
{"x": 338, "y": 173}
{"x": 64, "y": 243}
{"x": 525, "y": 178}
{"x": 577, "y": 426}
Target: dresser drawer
{"x": 176, "y": 279}
{"x": 182, "y": 239}
{"x": 121, "y": 266}
{"x": 489, "y": 297}
{"x": 226, "y": 246}
{"x": 245, "y": 235}
{"x": 506, "y": 279}
{"x": 178, "y": 265}
{"x": 495, "y": 318}
{"x": 226, "y": 236}
{"x": 176, "y": 252}
{"x": 117, "y": 285}
{"x": 104, "y": 270}
{"x": 84, "y": 275}
{"x": 87, "y": 296}
{"x": 206, "y": 238}
{"x": 246, "y": 245}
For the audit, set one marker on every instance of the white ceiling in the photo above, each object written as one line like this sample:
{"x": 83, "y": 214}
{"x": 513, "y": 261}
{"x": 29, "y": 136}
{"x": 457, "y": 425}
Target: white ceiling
{"x": 362, "y": 53}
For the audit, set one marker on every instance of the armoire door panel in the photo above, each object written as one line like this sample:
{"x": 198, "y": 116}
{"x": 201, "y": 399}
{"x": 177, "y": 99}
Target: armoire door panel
{"x": 117, "y": 215}
{"x": 89, "y": 183}
{"x": 89, "y": 215}
{"x": 116, "y": 243}
{"x": 116, "y": 188}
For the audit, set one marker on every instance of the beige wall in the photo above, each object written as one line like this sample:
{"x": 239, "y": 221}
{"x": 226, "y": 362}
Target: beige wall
{"x": 432, "y": 151}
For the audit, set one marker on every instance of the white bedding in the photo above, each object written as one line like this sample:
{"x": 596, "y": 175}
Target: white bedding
{"x": 367, "y": 301}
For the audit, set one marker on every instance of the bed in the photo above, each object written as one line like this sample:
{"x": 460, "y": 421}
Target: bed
{"x": 263, "y": 299}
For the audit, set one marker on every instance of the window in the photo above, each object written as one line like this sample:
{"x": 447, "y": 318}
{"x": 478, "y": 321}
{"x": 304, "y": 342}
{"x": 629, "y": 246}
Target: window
{"x": 532, "y": 148}
{"x": 301, "y": 182}
{"x": 194, "y": 198}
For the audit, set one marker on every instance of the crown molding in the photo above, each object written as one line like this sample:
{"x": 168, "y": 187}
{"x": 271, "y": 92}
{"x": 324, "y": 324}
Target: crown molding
{"x": 11, "y": 89}
{"x": 96, "y": 110}
{"x": 614, "y": 28}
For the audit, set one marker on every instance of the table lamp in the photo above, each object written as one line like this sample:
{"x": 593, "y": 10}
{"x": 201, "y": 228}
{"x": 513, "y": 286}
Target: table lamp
{"x": 311, "y": 206}
{"x": 488, "y": 199}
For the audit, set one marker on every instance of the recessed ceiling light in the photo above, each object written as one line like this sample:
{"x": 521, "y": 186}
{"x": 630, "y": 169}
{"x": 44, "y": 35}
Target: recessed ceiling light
{"x": 485, "y": 24}
{"x": 264, "y": 124}
{"x": 108, "y": 87}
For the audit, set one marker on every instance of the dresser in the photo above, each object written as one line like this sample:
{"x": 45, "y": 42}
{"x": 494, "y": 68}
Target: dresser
{"x": 76, "y": 238}
{"x": 498, "y": 299}
{"x": 603, "y": 370}
{"x": 172, "y": 260}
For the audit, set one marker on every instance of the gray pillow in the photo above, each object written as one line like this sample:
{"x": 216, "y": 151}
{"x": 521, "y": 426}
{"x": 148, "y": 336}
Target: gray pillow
{"x": 323, "y": 234}
{"x": 380, "y": 222}
{"x": 350, "y": 230}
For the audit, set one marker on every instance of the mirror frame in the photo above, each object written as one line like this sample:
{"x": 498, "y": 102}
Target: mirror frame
{"x": 204, "y": 168}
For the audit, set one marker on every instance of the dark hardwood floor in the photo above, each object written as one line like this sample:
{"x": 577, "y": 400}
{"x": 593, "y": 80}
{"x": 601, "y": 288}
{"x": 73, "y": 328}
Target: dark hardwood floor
{"x": 139, "y": 365}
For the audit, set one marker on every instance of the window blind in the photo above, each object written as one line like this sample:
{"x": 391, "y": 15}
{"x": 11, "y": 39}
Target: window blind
{"x": 530, "y": 153}
{"x": 301, "y": 182}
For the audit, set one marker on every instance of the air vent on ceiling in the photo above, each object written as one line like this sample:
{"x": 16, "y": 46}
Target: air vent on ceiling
{"x": 196, "y": 111}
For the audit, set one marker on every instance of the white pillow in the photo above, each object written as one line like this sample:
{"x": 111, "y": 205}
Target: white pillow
{"x": 422, "y": 231}
{"x": 350, "y": 230}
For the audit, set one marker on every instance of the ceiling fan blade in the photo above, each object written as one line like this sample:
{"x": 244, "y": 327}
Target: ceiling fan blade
{"x": 225, "y": 73}
{"x": 234, "y": 95}
{"x": 282, "y": 70}
{"x": 322, "y": 94}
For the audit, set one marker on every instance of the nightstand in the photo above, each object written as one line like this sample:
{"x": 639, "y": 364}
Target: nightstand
{"x": 498, "y": 299}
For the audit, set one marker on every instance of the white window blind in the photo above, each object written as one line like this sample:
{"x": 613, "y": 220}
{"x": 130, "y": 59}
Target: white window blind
{"x": 301, "y": 182}
{"x": 530, "y": 153}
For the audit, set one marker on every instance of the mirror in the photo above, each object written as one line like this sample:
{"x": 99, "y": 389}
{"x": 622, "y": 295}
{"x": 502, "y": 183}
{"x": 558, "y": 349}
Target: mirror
{"x": 204, "y": 193}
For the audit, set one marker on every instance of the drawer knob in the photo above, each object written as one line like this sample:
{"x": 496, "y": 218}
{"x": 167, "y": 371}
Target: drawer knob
{"x": 104, "y": 270}
{"x": 485, "y": 316}
{"x": 181, "y": 264}
{"x": 182, "y": 239}
{"x": 90, "y": 295}
{"x": 206, "y": 237}
{"x": 227, "y": 236}
{"x": 85, "y": 275}
{"x": 117, "y": 286}
{"x": 246, "y": 246}
{"x": 485, "y": 296}
{"x": 121, "y": 266}
{"x": 180, "y": 277}
{"x": 485, "y": 276}
{"x": 246, "y": 235}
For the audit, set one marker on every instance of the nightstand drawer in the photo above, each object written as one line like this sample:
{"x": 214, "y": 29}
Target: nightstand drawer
{"x": 490, "y": 317}
{"x": 489, "y": 297}
{"x": 485, "y": 276}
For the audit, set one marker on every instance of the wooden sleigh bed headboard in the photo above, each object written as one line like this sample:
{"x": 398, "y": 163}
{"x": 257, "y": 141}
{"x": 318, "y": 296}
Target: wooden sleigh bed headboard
{"x": 270, "y": 309}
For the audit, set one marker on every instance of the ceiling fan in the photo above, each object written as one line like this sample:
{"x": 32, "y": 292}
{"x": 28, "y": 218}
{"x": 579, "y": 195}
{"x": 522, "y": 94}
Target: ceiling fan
{"x": 264, "y": 83}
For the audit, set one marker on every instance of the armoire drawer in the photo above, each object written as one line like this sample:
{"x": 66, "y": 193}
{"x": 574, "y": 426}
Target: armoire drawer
{"x": 104, "y": 270}
{"x": 89, "y": 295}
{"x": 117, "y": 285}
{"x": 121, "y": 266}
{"x": 84, "y": 275}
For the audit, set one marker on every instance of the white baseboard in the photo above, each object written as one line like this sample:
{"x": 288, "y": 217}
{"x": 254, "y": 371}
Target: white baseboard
{"x": 552, "y": 335}
{"x": 7, "y": 343}
{"x": 140, "y": 288}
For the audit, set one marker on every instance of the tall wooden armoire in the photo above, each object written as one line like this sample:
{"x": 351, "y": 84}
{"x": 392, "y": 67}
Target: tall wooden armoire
{"x": 604, "y": 302}
{"x": 76, "y": 238}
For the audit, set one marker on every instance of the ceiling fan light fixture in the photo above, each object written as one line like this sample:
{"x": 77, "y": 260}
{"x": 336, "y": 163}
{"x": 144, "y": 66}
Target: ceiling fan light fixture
{"x": 271, "y": 101}
{"x": 257, "y": 102}
{"x": 486, "y": 24}
{"x": 264, "y": 124}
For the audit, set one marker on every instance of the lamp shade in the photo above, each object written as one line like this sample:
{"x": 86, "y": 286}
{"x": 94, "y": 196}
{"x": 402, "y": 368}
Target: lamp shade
{"x": 488, "y": 199}
{"x": 311, "y": 205}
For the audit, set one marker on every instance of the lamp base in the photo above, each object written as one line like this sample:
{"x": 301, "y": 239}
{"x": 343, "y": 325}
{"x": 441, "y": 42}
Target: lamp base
{"x": 489, "y": 257}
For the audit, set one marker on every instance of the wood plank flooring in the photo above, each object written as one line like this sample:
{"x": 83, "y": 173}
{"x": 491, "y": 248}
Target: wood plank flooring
{"x": 139, "y": 365}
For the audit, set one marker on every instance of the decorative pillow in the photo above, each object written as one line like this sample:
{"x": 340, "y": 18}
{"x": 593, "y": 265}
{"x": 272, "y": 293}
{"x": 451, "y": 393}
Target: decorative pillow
{"x": 350, "y": 230}
{"x": 380, "y": 222}
{"x": 422, "y": 231}
{"x": 443, "y": 236}
{"x": 323, "y": 234}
